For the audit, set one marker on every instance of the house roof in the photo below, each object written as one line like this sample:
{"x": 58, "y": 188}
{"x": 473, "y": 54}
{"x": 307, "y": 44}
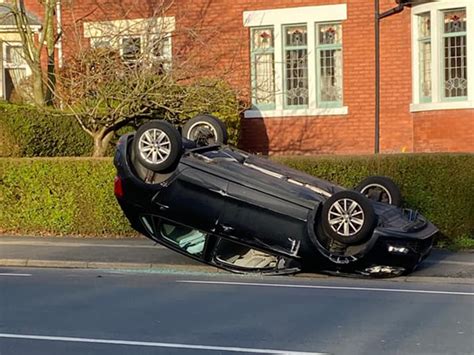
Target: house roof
{"x": 7, "y": 19}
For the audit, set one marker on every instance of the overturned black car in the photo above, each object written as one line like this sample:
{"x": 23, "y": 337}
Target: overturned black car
{"x": 192, "y": 193}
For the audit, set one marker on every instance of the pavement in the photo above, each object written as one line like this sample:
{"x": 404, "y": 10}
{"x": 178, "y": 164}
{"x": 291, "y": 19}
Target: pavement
{"x": 143, "y": 254}
{"x": 88, "y": 253}
{"x": 113, "y": 312}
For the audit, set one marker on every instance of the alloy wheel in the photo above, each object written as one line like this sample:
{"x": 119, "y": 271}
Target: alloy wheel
{"x": 202, "y": 133}
{"x": 154, "y": 146}
{"x": 378, "y": 191}
{"x": 346, "y": 217}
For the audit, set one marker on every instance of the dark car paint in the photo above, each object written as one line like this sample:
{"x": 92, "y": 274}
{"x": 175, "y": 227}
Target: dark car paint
{"x": 229, "y": 199}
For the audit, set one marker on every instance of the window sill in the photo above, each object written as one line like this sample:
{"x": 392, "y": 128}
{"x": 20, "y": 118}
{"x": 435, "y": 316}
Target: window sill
{"x": 333, "y": 111}
{"x": 433, "y": 106}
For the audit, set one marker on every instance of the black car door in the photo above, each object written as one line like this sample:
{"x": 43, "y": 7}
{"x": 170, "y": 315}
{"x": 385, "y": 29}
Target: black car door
{"x": 259, "y": 218}
{"x": 194, "y": 198}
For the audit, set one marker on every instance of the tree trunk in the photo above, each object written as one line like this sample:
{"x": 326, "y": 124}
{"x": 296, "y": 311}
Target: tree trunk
{"x": 38, "y": 88}
{"x": 50, "y": 42}
{"x": 101, "y": 143}
{"x": 51, "y": 81}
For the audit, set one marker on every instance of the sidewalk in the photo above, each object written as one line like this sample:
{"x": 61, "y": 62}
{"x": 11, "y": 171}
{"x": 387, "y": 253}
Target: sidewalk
{"x": 96, "y": 253}
{"x": 141, "y": 253}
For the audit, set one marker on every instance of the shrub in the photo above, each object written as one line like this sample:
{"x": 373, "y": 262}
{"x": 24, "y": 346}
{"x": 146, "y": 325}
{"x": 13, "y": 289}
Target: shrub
{"x": 26, "y": 131}
{"x": 59, "y": 196}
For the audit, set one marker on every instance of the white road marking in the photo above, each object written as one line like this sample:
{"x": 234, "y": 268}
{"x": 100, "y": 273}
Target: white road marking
{"x": 154, "y": 344}
{"x": 344, "y": 288}
{"x": 12, "y": 274}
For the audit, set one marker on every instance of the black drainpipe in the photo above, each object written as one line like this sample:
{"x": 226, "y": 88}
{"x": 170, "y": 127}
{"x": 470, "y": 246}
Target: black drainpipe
{"x": 378, "y": 17}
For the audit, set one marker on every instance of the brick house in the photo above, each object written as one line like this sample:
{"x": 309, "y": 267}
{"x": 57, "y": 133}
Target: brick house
{"x": 307, "y": 66}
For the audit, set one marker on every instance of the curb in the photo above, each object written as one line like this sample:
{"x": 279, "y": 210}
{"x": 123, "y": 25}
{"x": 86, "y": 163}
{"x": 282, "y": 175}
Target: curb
{"x": 70, "y": 264}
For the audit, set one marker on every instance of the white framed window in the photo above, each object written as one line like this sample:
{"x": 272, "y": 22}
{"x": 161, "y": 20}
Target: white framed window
{"x": 159, "y": 48}
{"x": 296, "y": 61}
{"x": 329, "y": 59}
{"x": 15, "y": 67}
{"x": 443, "y": 52}
{"x": 137, "y": 39}
{"x": 131, "y": 48}
{"x": 263, "y": 67}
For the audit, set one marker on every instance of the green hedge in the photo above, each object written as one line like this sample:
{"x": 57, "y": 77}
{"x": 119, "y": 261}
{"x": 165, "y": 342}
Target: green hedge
{"x": 74, "y": 195}
{"x": 59, "y": 196}
{"x": 26, "y": 131}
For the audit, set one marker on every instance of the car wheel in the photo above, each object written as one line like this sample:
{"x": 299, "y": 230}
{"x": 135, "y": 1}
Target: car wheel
{"x": 157, "y": 145}
{"x": 381, "y": 189}
{"x": 205, "y": 130}
{"x": 348, "y": 217}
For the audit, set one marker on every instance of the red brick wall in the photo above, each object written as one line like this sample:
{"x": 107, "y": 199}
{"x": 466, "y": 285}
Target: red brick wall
{"x": 449, "y": 130}
{"x": 210, "y": 35}
{"x": 353, "y": 133}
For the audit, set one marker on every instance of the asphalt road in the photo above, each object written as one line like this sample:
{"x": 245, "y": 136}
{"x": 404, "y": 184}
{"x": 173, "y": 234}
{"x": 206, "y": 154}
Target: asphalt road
{"x": 54, "y": 311}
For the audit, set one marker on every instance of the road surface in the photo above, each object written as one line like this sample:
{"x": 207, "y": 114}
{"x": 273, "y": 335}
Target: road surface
{"x": 67, "y": 311}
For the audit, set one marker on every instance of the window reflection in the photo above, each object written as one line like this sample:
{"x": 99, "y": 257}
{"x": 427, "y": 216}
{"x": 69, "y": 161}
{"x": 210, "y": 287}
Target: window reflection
{"x": 190, "y": 240}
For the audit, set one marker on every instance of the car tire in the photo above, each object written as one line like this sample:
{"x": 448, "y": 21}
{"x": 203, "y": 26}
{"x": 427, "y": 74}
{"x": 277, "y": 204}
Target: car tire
{"x": 157, "y": 146}
{"x": 381, "y": 189}
{"x": 205, "y": 130}
{"x": 348, "y": 217}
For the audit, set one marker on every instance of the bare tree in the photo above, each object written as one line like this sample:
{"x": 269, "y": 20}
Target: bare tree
{"x": 34, "y": 46}
{"x": 127, "y": 74}
{"x": 105, "y": 94}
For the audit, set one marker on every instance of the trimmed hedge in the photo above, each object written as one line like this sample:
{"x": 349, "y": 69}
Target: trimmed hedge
{"x": 26, "y": 131}
{"x": 60, "y": 196}
{"x": 74, "y": 195}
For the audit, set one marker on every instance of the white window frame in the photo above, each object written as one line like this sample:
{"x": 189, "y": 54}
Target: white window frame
{"x": 435, "y": 9}
{"x": 166, "y": 55}
{"x": 122, "y": 47}
{"x": 145, "y": 29}
{"x": 116, "y": 42}
{"x": 311, "y": 16}
{"x": 96, "y": 40}
{"x": 6, "y": 65}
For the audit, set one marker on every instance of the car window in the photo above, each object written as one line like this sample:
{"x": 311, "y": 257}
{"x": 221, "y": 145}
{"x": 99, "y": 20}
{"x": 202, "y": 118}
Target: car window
{"x": 231, "y": 253}
{"x": 190, "y": 240}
